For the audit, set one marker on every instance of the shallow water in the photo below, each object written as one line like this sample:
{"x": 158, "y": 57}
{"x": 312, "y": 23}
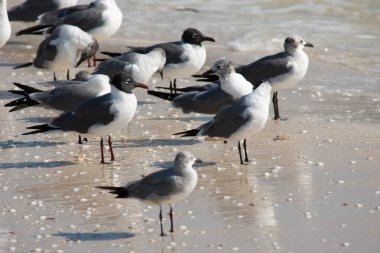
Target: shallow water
{"x": 343, "y": 32}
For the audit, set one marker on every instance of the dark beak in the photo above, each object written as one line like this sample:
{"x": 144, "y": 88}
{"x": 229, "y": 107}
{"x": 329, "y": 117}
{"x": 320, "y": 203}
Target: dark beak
{"x": 198, "y": 161}
{"x": 207, "y": 73}
{"x": 141, "y": 85}
{"x": 308, "y": 44}
{"x": 81, "y": 59}
{"x": 205, "y": 38}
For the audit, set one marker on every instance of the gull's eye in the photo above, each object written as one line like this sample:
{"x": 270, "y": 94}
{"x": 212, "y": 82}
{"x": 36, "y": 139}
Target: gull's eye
{"x": 128, "y": 81}
{"x": 219, "y": 66}
{"x": 301, "y": 41}
{"x": 194, "y": 35}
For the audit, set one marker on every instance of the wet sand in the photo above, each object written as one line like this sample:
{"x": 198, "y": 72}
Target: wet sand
{"x": 312, "y": 184}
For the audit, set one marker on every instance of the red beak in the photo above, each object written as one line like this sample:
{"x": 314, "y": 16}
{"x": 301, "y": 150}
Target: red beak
{"x": 141, "y": 85}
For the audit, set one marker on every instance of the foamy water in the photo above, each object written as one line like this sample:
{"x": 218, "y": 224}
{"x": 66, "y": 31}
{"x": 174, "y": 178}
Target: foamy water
{"x": 343, "y": 32}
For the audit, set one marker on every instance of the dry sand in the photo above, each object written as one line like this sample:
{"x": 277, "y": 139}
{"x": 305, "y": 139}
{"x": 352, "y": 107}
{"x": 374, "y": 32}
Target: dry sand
{"x": 313, "y": 184}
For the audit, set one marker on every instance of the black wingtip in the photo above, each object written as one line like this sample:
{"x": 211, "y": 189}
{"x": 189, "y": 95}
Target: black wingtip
{"x": 207, "y": 78}
{"x": 121, "y": 192}
{"x": 163, "y": 95}
{"x": 33, "y": 30}
{"x": 26, "y": 88}
{"x": 192, "y": 132}
{"x": 24, "y": 65}
{"x": 111, "y": 54}
{"x": 185, "y": 89}
{"x": 40, "y": 129}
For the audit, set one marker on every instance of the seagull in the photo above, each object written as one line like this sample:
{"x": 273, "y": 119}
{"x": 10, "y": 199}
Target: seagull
{"x": 100, "y": 18}
{"x": 184, "y": 57}
{"x": 240, "y": 120}
{"x": 282, "y": 70}
{"x": 61, "y": 50}
{"x": 231, "y": 87}
{"x": 101, "y": 115}
{"x": 29, "y": 10}
{"x": 141, "y": 66}
{"x": 5, "y": 26}
{"x": 162, "y": 187}
{"x": 65, "y": 96}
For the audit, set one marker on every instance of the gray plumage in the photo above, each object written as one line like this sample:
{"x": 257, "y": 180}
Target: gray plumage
{"x": 207, "y": 102}
{"x": 29, "y": 10}
{"x": 83, "y": 117}
{"x": 162, "y": 187}
{"x": 65, "y": 96}
{"x": 141, "y": 66}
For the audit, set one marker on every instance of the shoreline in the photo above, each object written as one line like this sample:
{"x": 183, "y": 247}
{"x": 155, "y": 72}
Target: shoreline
{"x": 314, "y": 176}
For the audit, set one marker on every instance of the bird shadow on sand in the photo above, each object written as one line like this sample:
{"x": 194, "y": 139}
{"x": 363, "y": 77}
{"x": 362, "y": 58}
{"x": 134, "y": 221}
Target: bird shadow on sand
{"x": 27, "y": 144}
{"x": 146, "y": 103}
{"x": 186, "y": 119}
{"x": 35, "y": 165}
{"x": 159, "y": 142}
{"x": 107, "y": 236}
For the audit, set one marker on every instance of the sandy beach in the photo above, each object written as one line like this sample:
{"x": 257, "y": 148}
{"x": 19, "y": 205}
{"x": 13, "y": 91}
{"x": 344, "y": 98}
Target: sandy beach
{"x": 313, "y": 183}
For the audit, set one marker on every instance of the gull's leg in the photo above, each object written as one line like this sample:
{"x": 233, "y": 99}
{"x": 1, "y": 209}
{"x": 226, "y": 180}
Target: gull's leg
{"x": 54, "y": 77}
{"x": 68, "y": 74}
{"x": 94, "y": 61}
{"x": 171, "y": 87}
{"x": 110, "y": 146}
{"x": 160, "y": 216}
{"x": 245, "y": 150}
{"x": 171, "y": 219}
{"x": 88, "y": 63}
{"x": 175, "y": 86}
{"x": 101, "y": 150}
{"x": 80, "y": 139}
{"x": 275, "y": 106}
{"x": 241, "y": 158}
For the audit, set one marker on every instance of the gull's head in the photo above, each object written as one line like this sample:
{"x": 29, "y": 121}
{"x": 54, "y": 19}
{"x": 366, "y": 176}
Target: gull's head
{"x": 184, "y": 159}
{"x": 221, "y": 68}
{"x": 89, "y": 51}
{"x": 295, "y": 43}
{"x": 125, "y": 82}
{"x": 194, "y": 37}
{"x": 82, "y": 76}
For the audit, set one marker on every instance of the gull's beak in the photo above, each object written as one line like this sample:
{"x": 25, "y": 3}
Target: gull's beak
{"x": 141, "y": 85}
{"x": 208, "y": 72}
{"x": 82, "y": 58}
{"x": 308, "y": 44}
{"x": 198, "y": 161}
{"x": 205, "y": 38}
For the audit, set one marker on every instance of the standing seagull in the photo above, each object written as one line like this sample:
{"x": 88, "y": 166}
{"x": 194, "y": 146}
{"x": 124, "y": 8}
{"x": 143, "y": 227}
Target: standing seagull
{"x": 5, "y": 26}
{"x": 141, "y": 66}
{"x": 29, "y": 10}
{"x": 239, "y": 121}
{"x": 184, "y": 57}
{"x": 64, "y": 97}
{"x": 232, "y": 87}
{"x": 100, "y": 18}
{"x": 282, "y": 70}
{"x": 99, "y": 116}
{"x": 61, "y": 50}
{"x": 162, "y": 187}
